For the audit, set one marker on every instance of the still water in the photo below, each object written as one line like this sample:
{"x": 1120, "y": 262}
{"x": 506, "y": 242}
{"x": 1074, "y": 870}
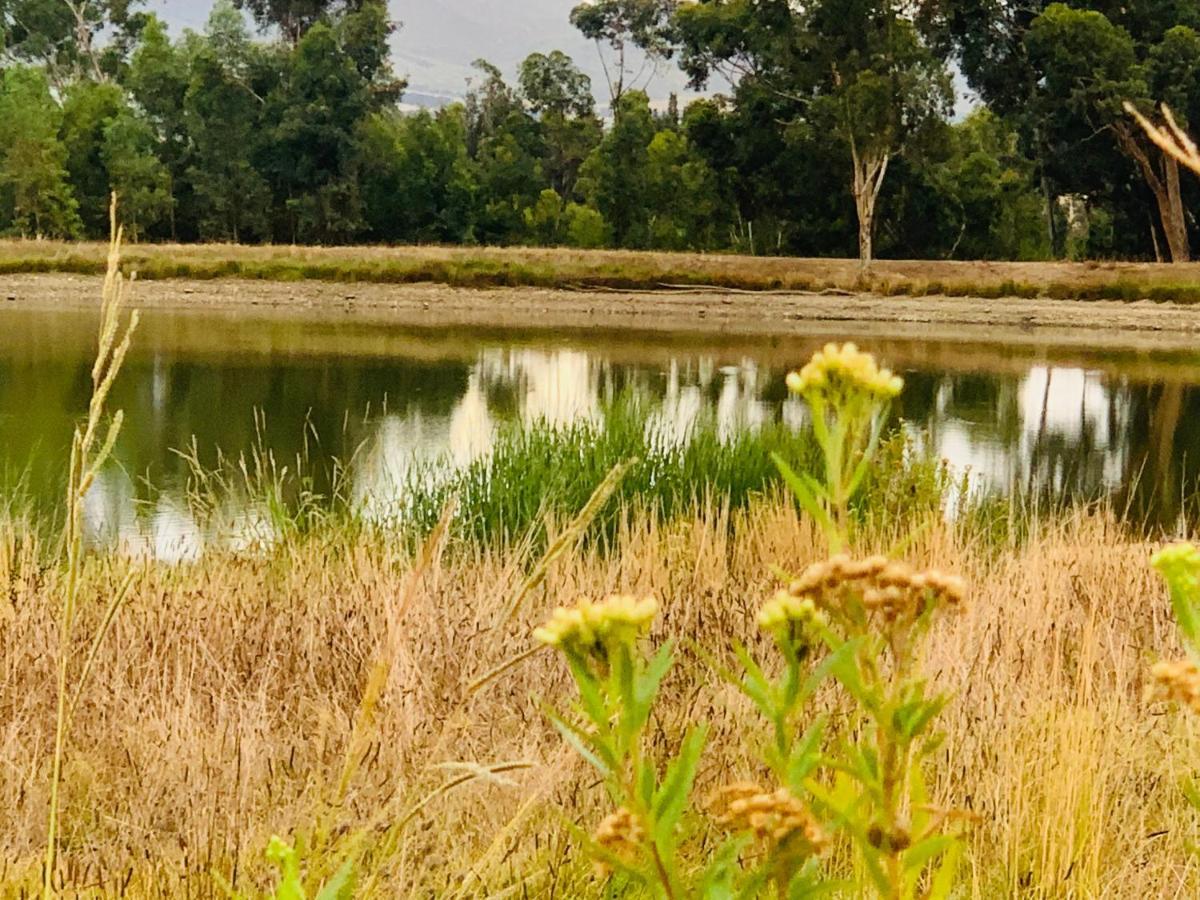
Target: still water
{"x": 1062, "y": 422}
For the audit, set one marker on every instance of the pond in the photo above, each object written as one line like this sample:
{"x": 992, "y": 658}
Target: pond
{"x": 1058, "y": 422}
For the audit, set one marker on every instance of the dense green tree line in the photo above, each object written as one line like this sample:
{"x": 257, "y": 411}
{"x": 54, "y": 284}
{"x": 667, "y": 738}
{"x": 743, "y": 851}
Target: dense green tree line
{"x": 830, "y": 129}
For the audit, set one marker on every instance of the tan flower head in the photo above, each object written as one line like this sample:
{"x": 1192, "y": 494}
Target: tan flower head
{"x": 895, "y": 590}
{"x": 1179, "y": 682}
{"x": 839, "y": 370}
{"x": 776, "y": 816}
{"x": 620, "y": 834}
{"x": 589, "y": 626}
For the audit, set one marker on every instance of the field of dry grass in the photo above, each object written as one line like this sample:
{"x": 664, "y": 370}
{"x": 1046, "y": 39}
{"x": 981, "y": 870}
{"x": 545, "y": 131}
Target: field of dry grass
{"x": 223, "y": 705}
{"x": 533, "y": 267}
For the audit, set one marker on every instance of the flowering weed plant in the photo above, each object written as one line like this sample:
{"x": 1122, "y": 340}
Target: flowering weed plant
{"x": 861, "y": 623}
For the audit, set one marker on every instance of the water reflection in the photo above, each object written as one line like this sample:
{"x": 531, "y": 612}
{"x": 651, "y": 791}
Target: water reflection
{"x": 393, "y": 400}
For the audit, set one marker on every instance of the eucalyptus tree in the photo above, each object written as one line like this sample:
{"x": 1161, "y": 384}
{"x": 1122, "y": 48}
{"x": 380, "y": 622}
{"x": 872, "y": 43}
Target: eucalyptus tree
{"x": 618, "y": 28}
{"x": 859, "y": 71}
{"x": 35, "y": 197}
{"x": 294, "y": 18}
{"x": 64, "y": 36}
{"x": 560, "y": 96}
{"x": 1063, "y": 73}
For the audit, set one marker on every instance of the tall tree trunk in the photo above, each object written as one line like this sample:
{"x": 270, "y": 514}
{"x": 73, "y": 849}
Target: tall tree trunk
{"x": 1173, "y": 215}
{"x": 1164, "y": 184}
{"x": 869, "y": 171}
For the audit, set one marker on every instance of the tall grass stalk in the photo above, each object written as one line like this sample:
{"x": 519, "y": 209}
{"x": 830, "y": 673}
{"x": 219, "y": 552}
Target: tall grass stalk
{"x": 89, "y": 452}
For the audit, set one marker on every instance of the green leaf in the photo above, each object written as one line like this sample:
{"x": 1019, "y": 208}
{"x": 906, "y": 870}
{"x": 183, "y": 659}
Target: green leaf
{"x": 1179, "y": 567}
{"x": 921, "y": 854}
{"x": 285, "y": 859}
{"x": 590, "y": 694}
{"x": 844, "y": 666}
{"x": 804, "y": 494}
{"x": 672, "y": 796}
{"x": 842, "y": 806}
{"x": 644, "y": 779}
{"x": 341, "y": 886}
{"x": 822, "y": 672}
{"x": 1191, "y": 790}
{"x": 806, "y": 754}
{"x": 584, "y": 744}
{"x": 943, "y": 882}
{"x": 717, "y": 882}
{"x": 911, "y": 718}
{"x": 864, "y": 465}
{"x": 808, "y": 883}
{"x": 754, "y": 683}
{"x": 646, "y": 685}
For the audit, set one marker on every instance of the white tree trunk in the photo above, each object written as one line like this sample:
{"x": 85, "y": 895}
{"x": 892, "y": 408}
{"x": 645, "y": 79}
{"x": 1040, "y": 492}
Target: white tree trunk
{"x": 870, "y": 168}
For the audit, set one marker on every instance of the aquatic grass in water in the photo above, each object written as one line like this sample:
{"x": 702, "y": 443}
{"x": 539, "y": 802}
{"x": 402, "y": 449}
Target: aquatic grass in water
{"x": 538, "y": 471}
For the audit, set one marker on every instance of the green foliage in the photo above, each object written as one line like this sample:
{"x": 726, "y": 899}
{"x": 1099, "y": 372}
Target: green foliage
{"x": 861, "y": 72}
{"x": 544, "y": 220}
{"x": 135, "y": 172}
{"x": 35, "y": 198}
{"x": 222, "y": 118}
{"x": 585, "y": 227}
{"x": 537, "y": 469}
{"x": 286, "y": 859}
{"x": 614, "y": 179}
{"x": 85, "y": 38}
{"x": 1179, "y": 566}
{"x": 88, "y": 109}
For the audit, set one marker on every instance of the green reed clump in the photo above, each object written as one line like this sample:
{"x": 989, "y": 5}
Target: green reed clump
{"x": 539, "y": 470}
{"x": 862, "y": 624}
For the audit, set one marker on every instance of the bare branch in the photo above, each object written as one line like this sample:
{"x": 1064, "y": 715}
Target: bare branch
{"x": 1170, "y": 138}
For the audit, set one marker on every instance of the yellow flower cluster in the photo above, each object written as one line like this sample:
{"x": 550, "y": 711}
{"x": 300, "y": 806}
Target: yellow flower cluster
{"x": 588, "y": 625}
{"x": 894, "y": 589}
{"x": 1179, "y": 682}
{"x": 620, "y": 834}
{"x": 775, "y": 816}
{"x": 845, "y": 368}
{"x": 1176, "y": 560}
{"x": 786, "y": 612}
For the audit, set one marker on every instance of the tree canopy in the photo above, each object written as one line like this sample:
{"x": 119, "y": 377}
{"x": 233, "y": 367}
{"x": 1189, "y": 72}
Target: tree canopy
{"x": 821, "y": 127}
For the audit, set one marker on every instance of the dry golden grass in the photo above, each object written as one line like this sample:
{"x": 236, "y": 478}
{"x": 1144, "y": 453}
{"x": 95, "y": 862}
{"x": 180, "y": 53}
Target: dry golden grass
{"x": 223, "y": 702}
{"x": 559, "y": 267}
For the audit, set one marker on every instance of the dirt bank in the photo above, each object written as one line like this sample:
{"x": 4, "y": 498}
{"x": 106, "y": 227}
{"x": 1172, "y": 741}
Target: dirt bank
{"x": 1065, "y": 322}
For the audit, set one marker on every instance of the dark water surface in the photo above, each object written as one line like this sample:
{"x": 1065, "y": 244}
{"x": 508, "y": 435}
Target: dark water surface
{"x": 1062, "y": 422}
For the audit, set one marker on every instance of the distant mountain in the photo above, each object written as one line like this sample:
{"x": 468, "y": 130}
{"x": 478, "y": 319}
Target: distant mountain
{"x": 441, "y": 38}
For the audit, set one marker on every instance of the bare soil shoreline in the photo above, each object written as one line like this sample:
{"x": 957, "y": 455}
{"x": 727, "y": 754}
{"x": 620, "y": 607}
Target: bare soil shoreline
{"x": 1142, "y": 325}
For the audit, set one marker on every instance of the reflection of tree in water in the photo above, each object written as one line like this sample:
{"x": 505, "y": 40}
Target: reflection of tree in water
{"x": 314, "y": 405}
{"x": 1161, "y": 479}
{"x": 1051, "y": 432}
